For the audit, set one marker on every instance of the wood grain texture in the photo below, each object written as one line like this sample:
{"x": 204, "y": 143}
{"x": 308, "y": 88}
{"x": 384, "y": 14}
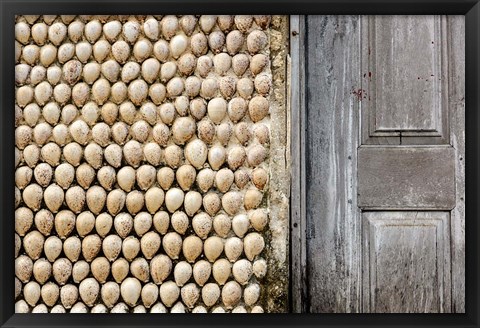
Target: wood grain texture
{"x": 456, "y": 60}
{"x": 406, "y": 264}
{"x": 406, "y": 177}
{"x": 404, "y": 80}
{"x": 333, "y": 223}
{"x": 299, "y": 289}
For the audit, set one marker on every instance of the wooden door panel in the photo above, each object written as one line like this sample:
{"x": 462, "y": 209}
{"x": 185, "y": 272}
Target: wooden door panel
{"x": 406, "y": 177}
{"x": 404, "y": 79}
{"x": 406, "y": 265}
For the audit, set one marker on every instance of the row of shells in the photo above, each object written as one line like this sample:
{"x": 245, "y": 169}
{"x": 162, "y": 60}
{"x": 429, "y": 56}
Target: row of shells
{"x": 182, "y": 129}
{"x": 141, "y": 163}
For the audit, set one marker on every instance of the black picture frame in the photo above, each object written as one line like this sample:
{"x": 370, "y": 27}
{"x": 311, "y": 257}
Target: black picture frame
{"x": 8, "y": 9}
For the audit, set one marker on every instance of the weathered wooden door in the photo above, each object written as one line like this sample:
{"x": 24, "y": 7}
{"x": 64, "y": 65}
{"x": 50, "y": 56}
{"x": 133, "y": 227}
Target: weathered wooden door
{"x": 377, "y": 150}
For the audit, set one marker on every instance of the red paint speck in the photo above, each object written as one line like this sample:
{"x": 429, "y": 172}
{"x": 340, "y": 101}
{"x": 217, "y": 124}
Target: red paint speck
{"x": 360, "y": 94}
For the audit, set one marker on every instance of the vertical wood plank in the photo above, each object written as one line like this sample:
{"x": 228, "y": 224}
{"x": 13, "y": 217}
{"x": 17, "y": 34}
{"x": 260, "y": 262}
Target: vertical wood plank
{"x": 456, "y": 60}
{"x": 298, "y": 252}
{"x": 333, "y": 223}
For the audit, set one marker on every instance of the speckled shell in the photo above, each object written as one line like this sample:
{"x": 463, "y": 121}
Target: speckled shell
{"x": 240, "y": 225}
{"x": 206, "y": 131}
{"x": 225, "y": 22}
{"x": 130, "y": 290}
{"x": 62, "y": 270}
{"x": 169, "y": 293}
{"x": 72, "y": 248}
{"x": 142, "y": 223}
{"x": 182, "y": 273}
{"x": 243, "y": 22}
{"x": 192, "y": 247}
{"x": 89, "y": 290}
{"x": 210, "y": 294}
{"x": 149, "y": 294}
{"x": 256, "y": 41}
{"x": 190, "y": 294}
{"x": 31, "y": 292}
{"x": 231, "y": 294}
{"x": 202, "y": 224}
{"x": 179, "y": 222}
{"x": 211, "y": 203}
{"x": 91, "y": 246}
{"x": 207, "y": 22}
{"x": 140, "y": 269}
{"x": 106, "y": 176}
{"x": 172, "y": 244}
{"x": 242, "y": 271}
{"x": 110, "y": 293}
{"x": 253, "y": 244}
{"x": 120, "y": 308}
{"x": 23, "y": 268}
{"x": 192, "y": 202}
{"x": 201, "y": 272}
{"x": 224, "y": 133}
{"x": 231, "y": 202}
{"x": 150, "y": 244}
{"x": 130, "y": 247}
{"x": 199, "y": 44}
{"x": 52, "y": 248}
{"x": 173, "y": 156}
{"x": 120, "y": 269}
{"x": 123, "y": 224}
{"x": 32, "y": 196}
{"x": 75, "y": 198}
{"x": 50, "y": 293}
{"x": 222, "y": 225}
{"x": 111, "y": 247}
{"x": 33, "y": 244}
{"x": 205, "y": 179}
{"x": 160, "y": 268}
{"x": 223, "y": 179}
{"x": 213, "y": 248}
{"x": 252, "y": 199}
{"x": 183, "y": 129}
{"x": 221, "y": 271}
{"x": 68, "y": 295}
{"x": 158, "y": 308}
{"x": 23, "y": 220}
{"x": 169, "y": 26}
{"x": 80, "y": 271}
{"x": 233, "y": 248}
{"x": 103, "y": 224}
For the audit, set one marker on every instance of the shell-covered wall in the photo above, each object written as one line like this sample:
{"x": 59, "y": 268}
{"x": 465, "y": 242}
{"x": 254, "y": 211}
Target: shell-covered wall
{"x": 143, "y": 164}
